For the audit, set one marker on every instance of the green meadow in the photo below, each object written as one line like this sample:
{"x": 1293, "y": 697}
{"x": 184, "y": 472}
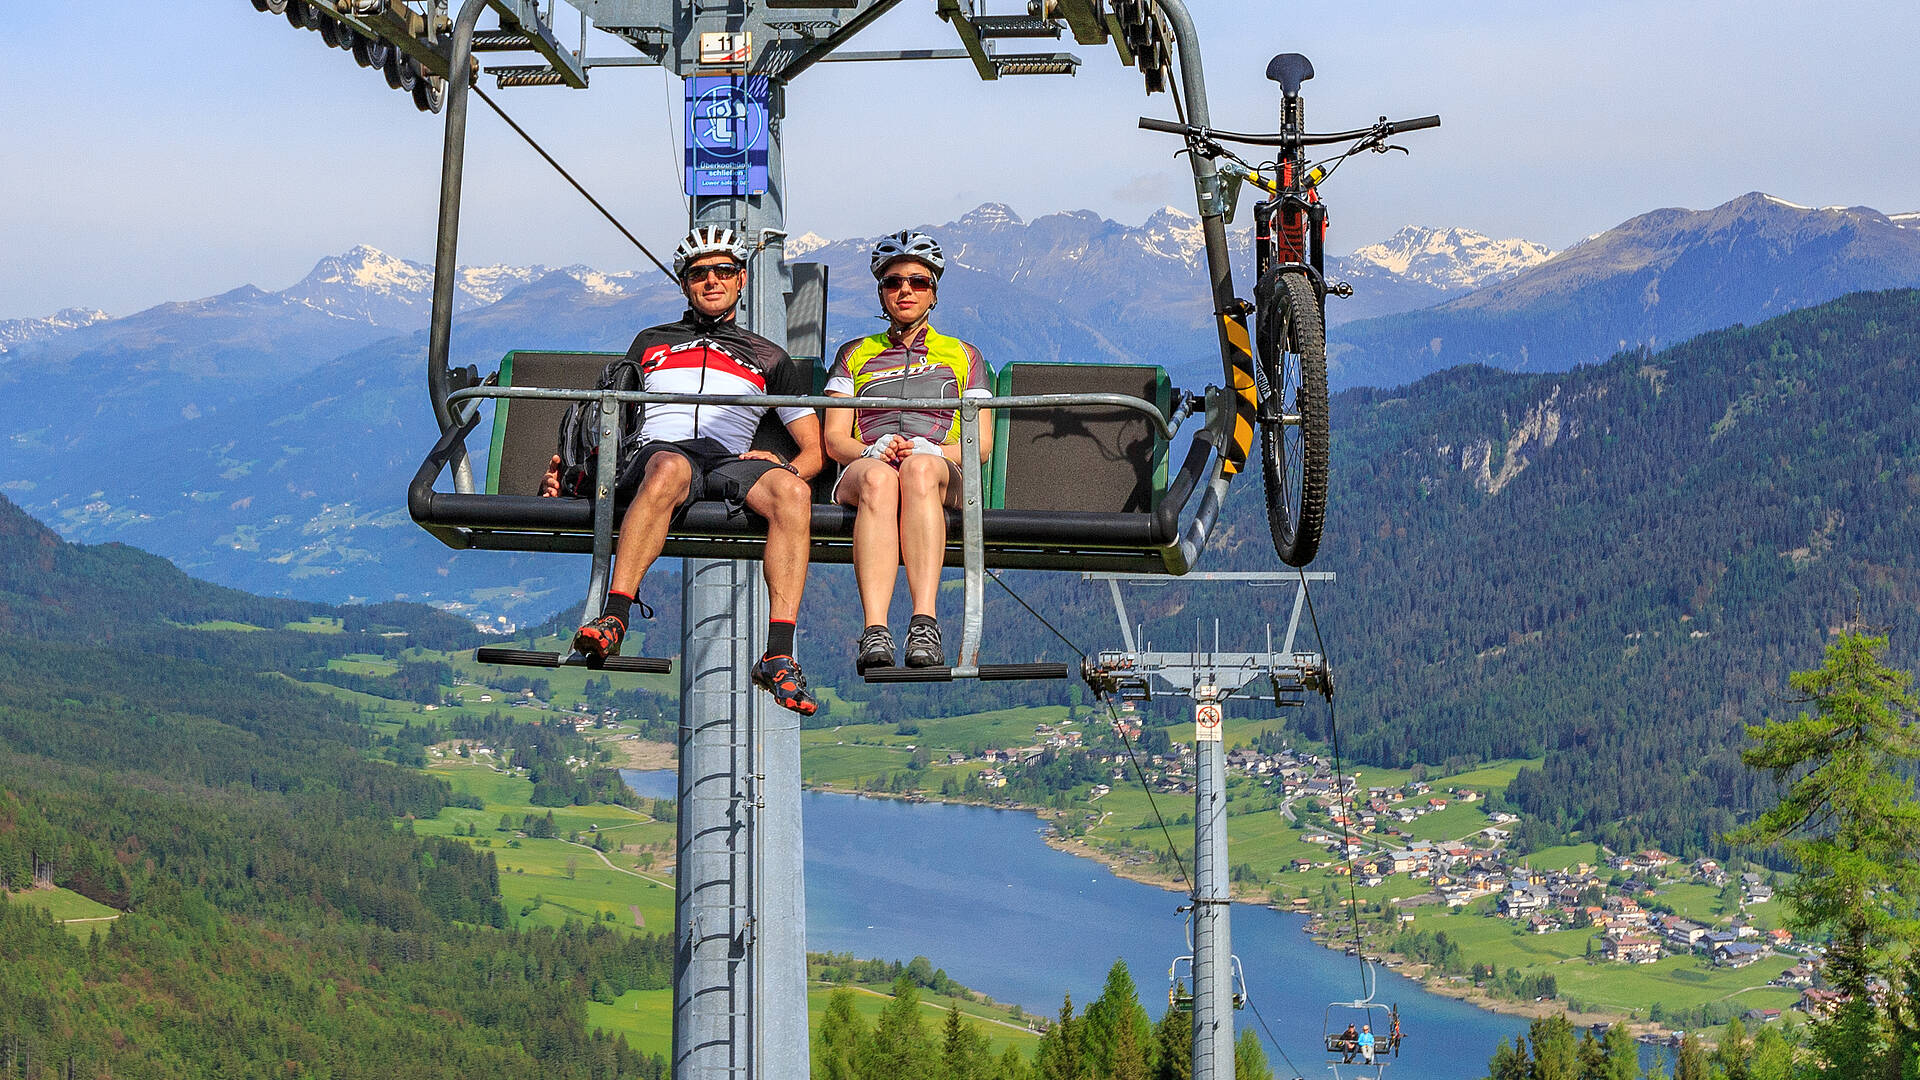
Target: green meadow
{"x": 80, "y": 915}
{"x": 546, "y": 882}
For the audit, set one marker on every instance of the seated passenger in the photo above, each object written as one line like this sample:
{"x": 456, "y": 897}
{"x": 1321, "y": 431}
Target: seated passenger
{"x": 1347, "y": 1043}
{"x": 685, "y": 452}
{"x": 902, "y": 465}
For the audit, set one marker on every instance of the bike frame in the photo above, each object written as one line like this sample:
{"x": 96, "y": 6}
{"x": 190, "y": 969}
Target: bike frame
{"x": 1298, "y": 195}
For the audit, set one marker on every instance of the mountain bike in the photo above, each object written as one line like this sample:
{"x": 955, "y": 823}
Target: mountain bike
{"x": 1290, "y": 294}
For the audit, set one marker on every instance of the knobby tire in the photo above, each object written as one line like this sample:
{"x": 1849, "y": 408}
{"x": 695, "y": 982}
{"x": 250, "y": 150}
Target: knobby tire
{"x": 1292, "y": 345}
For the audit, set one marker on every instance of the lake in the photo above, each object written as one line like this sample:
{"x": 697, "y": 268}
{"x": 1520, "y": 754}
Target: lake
{"x": 980, "y": 894}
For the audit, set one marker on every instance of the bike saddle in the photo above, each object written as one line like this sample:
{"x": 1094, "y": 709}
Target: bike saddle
{"x": 1290, "y": 70}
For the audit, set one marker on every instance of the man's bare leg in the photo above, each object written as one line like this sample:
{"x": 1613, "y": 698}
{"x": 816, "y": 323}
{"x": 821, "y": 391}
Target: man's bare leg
{"x": 787, "y": 504}
{"x": 643, "y": 531}
{"x": 874, "y": 490}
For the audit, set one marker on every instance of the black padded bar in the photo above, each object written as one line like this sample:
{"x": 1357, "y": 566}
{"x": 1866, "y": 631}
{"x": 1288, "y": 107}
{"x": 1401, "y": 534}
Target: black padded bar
{"x": 638, "y": 665}
{"x": 987, "y": 673}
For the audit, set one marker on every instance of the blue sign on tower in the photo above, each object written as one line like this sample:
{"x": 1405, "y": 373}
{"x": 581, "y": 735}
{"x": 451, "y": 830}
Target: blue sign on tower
{"x": 726, "y": 138}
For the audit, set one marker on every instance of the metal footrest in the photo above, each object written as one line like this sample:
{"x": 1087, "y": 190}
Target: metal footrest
{"x": 1036, "y": 64}
{"x": 532, "y": 75}
{"x": 501, "y": 41}
{"x": 1015, "y": 26}
{"x": 986, "y": 673}
{"x": 639, "y": 665}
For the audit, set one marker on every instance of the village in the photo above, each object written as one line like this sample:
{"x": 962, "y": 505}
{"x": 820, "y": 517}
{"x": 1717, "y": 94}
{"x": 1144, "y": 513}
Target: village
{"x": 1409, "y": 850}
{"x": 1629, "y": 905}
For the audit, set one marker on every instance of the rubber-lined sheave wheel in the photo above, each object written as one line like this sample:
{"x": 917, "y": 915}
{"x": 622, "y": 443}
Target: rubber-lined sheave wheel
{"x": 1292, "y": 342}
{"x": 369, "y": 52}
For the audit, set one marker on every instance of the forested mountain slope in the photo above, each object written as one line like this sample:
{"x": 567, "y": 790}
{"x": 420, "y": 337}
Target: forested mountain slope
{"x": 1617, "y": 566}
{"x": 274, "y": 922}
{"x": 1613, "y": 567}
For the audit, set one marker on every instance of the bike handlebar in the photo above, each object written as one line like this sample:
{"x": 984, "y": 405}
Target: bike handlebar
{"x": 1172, "y": 127}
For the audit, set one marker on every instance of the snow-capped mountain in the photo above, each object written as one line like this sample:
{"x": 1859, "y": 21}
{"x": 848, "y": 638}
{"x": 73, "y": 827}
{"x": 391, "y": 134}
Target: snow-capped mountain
{"x": 1650, "y": 281}
{"x": 1450, "y": 259}
{"x": 17, "y": 332}
{"x": 367, "y": 283}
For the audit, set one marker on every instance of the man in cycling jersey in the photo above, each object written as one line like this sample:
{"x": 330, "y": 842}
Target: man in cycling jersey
{"x": 902, "y": 465}
{"x": 685, "y": 452}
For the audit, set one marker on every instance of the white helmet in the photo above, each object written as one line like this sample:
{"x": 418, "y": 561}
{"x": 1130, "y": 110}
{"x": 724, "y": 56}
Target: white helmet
{"x": 911, "y": 245}
{"x": 708, "y": 240}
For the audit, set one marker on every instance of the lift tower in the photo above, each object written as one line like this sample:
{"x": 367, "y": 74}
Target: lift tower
{"x": 1209, "y": 677}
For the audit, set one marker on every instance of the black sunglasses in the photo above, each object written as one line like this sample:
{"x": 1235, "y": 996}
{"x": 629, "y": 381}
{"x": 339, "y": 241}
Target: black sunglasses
{"x": 916, "y": 282}
{"x": 724, "y": 271}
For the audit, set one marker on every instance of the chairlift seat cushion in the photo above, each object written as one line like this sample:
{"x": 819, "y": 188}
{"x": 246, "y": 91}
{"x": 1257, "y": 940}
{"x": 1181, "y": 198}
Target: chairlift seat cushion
{"x": 1098, "y": 460}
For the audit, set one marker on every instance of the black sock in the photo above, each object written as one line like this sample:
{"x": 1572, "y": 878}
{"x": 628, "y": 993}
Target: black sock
{"x": 924, "y": 620}
{"x": 620, "y": 606}
{"x": 779, "y": 637}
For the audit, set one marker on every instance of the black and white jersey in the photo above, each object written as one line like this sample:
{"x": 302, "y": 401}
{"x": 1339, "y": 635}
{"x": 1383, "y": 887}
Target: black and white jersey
{"x": 698, "y": 355}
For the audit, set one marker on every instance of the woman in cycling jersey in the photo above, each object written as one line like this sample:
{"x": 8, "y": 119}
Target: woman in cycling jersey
{"x": 902, "y": 465}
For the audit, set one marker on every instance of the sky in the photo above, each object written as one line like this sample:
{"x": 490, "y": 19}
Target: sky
{"x": 150, "y": 160}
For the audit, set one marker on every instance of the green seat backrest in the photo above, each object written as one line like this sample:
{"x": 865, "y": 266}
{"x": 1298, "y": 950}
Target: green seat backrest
{"x": 525, "y": 432}
{"x": 1103, "y": 460}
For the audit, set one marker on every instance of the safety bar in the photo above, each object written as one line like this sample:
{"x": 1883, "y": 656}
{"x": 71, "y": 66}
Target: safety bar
{"x": 1161, "y": 422}
{"x": 973, "y": 500}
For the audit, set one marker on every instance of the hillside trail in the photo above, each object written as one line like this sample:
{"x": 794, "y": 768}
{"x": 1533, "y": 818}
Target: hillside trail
{"x": 608, "y": 863}
{"x": 938, "y": 1009}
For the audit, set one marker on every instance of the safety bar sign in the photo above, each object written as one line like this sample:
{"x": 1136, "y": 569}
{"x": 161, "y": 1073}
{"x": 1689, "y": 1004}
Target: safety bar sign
{"x": 726, "y": 135}
{"x": 1206, "y": 722}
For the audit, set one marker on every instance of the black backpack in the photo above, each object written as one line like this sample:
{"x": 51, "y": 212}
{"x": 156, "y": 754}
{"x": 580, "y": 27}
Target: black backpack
{"x": 580, "y": 430}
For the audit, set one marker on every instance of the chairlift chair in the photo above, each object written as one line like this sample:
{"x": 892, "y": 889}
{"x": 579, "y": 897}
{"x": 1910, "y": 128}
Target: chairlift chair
{"x": 1180, "y": 992}
{"x": 1099, "y": 497}
{"x": 1343, "y": 1055}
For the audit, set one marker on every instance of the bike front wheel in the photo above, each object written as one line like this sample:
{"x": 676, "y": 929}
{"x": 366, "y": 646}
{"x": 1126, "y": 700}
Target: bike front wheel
{"x": 1292, "y": 344}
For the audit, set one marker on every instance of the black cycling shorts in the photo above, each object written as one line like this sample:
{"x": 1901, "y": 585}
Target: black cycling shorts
{"x": 717, "y": 473}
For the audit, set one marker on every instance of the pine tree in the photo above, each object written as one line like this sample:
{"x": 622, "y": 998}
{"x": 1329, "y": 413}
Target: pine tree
{"x": 900, "y": 1045}
{"x": 1730, "y": 1057}
{"x": 1623, "y": 1055}
{"x": 1851, "y": 819}
{"x": 1173, "y": 1052}
{"x": 1130, "y": 1052}
{"x": 963, "y": 1050}
{"x": 1772, "y": 1057}
{"x": 1692, "y": 1063}
{"x": 1117, "y": 1007}
{"x": 1511, "y": 1061}
{"x": 1250, "y": 1058}
{"x": 837, "y": 1047}
{"x": 1062, "y": 1048}
{"x": 1555, "y": 1055}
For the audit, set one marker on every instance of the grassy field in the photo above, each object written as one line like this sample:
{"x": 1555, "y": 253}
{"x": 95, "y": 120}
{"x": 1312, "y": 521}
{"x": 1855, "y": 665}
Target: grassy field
{"x": 546, "y": 882}
{"x": 1458, "y": 821}
{"x": 80, "y": 915}
{"x": 993, "y": 1021}
{"x": 1560, "y": 858}
{"x": 645, "y": 1017}
{"x": 1676, "y": 982}
{"x": 1492, "y": 777}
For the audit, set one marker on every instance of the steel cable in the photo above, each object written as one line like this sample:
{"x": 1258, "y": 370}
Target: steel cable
{"x": 568, "y": 177}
